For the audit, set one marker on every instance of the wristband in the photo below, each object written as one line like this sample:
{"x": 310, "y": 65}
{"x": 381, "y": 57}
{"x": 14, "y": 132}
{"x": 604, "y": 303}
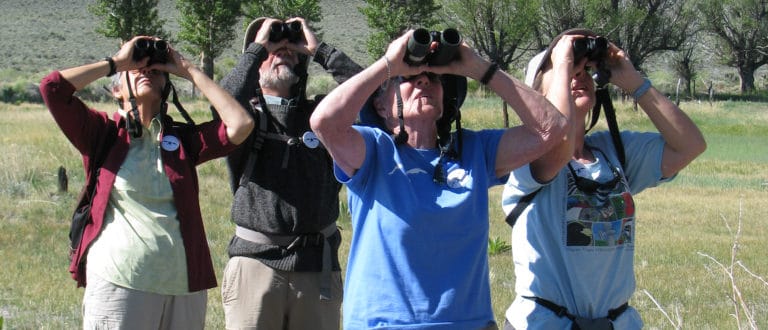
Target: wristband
{"x": 112, "y": 66}
{"x": 640, "y": 91}
{"x": 489, "y": 74}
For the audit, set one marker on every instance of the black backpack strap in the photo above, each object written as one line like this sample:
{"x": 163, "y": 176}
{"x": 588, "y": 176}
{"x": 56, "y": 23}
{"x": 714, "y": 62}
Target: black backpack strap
{"x": 604, "y": 99}
{"x": 257, "y": 140}
{"x": 521, "y": 205}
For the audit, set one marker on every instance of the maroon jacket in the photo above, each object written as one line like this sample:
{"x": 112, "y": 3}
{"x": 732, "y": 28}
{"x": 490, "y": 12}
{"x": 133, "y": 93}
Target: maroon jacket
{"x": 84, "y": 126}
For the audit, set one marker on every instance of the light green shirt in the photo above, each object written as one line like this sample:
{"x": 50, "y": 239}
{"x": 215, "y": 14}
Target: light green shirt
{"x": 140, "y": 246}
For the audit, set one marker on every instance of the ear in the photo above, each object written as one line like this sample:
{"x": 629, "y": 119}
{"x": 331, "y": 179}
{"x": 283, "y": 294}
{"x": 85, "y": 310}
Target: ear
{"x": 381, "y": 106}
{"x": 116, "y": 86}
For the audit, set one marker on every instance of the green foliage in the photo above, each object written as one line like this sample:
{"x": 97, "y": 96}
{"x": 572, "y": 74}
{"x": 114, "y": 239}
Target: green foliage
{"x": 506, "y": 30}
{"x": 309, "y": 10}
{"x": 389, "y": 19}
{"x": 126, "y": 19}
{"x": 741, "y": 29}
{"x": 208, "y": 28}
{"x": 497, "y": 246}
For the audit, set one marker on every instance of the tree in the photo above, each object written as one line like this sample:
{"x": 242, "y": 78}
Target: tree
{"x": 207, "y": 27}
{"x": 741, "y": 28}
{"x": 501, "y": 30}
{"x": 641, "y": 28}
{"x": 124, "y": 19}
{"x": 309, "y": 10}
{"x": 684, "y": 64}
{"x": 389, "y": 19}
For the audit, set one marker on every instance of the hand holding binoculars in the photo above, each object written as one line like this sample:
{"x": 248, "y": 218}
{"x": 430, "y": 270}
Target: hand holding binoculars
{"x": 418, "y": 48}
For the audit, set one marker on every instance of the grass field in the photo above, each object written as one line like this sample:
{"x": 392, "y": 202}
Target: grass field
{"x": 719, "y": 201}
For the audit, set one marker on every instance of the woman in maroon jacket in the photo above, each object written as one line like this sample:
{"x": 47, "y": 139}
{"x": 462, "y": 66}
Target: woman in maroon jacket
{"x": 147, "y": 258}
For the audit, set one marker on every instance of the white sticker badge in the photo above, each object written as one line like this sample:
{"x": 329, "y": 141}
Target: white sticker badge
{"x": 310, "y": 140}
{"x": 170, "y": 143}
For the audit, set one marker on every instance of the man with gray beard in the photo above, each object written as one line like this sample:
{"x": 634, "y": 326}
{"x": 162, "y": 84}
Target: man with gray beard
{"x": 284, "y": 270}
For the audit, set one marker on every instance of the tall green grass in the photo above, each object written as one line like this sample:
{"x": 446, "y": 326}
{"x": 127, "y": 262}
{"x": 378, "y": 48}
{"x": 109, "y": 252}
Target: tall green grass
{"x": 677, "y": 222}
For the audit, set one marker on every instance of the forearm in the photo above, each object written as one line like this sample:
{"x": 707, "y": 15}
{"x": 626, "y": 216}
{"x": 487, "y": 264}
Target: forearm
{"x": 559, "y": 94}
{"x": 336, "y": 62}
{"x": 243, "y": 80}
{"x": 341, "y": 106}
{"x": 239, "y": 124}
{"x": 680, "y": 133}
{"x": 84, "y": 75}
{"x": 537, "y": 114}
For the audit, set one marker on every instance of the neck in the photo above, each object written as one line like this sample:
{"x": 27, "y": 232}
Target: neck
{"x": 146, "y": 111}
{"x": 279, "y": 92}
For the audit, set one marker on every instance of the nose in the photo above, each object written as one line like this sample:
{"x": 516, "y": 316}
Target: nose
{"x": 422, "y": 80}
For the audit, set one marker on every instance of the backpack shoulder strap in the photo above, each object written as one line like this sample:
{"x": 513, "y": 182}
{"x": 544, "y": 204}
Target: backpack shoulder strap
{"x": 256, "y": 140}
{"x": 521, "y": 205}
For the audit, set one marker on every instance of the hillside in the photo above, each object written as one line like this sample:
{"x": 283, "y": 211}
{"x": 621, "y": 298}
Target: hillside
{"x": 39, "y": 36}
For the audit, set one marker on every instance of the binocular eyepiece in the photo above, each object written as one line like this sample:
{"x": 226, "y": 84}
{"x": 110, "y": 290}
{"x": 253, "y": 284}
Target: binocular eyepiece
{"x": 156, "y": 50}
{"x": 282, "y": 30}
{"x": 595, "y": 49}
{"x": 417, "y": 51}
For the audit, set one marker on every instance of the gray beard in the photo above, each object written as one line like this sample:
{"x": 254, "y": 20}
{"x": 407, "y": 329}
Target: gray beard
{"x": 278, "y": 79}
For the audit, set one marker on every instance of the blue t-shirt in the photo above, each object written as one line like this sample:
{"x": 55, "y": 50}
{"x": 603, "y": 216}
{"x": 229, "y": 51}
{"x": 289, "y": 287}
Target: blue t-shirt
{"x": 418, "y": 257}
{"x": 576, "y": 249}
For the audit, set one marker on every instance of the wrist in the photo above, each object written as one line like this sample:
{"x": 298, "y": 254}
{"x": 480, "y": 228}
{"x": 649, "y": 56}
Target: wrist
{"x": 112, "y": 66}
{"x": 489, "y": 73}
{"x": 642, "y": 89}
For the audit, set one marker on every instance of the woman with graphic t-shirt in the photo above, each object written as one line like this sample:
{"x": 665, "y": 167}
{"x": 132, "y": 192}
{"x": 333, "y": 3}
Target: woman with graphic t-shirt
{"x": 573, "y": 241}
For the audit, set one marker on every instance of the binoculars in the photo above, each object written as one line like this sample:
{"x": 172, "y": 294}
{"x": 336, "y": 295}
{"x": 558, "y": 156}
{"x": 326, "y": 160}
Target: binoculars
{"x": 595, "y": 49}
{"x": 417, "y": 51}
{"x": 281, "y": 30}
{"x": 156, "y": 50}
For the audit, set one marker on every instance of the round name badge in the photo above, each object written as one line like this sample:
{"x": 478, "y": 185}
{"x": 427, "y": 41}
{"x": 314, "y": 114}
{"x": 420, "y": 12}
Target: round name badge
{"x": 170, "y": 143}
{"x": 310, "y": 140}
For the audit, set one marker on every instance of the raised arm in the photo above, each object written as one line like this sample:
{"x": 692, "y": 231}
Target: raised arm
{"x": 683, "y": 139}
{"x": 543, "y": 125}
{"x": 333, "y": 118}
{"x": 239, "y": 124}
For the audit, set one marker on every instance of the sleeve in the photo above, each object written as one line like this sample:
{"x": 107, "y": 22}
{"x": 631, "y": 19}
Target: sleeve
{"x": 520, "y": 183}
{"x": 643, "y": 151}
{"x": 336, "y": 62}
{"x": 242, "y": 82}
{"x": 76, "y": 120}
{"x": 205, "y": 141}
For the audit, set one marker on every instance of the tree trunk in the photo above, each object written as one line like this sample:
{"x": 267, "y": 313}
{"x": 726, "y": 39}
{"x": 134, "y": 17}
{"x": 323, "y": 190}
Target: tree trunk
{"x": 747, "y": 77}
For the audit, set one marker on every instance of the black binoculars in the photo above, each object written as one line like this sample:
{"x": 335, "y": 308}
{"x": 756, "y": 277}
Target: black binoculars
{"x": 595, "y": 49}
{"x": 282, "y": 30}
{"x": 156, "y": 50}
{"x": 417, "y": 51}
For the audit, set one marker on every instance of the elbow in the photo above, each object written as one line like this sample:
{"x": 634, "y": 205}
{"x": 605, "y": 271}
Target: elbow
{"x": 239, "y": 133}
{"x": 319, "y": 123}
{"x": 556, "y": 133}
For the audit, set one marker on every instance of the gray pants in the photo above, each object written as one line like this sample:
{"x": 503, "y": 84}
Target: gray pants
{"x": 108, "y": 306}
{"x": 256, "y": 296}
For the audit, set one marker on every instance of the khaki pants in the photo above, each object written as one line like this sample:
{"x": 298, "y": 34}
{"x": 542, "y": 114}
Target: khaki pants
{"x": 256, "y": 296}
{"x": 108, "y": 306}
